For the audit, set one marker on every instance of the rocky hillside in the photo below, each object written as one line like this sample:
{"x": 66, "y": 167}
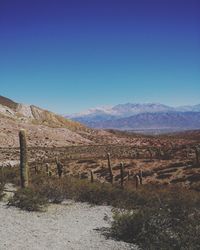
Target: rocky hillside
{"x": 45, "y": 128}
{"x": 8, "y": 103}
{"x": 35, "y": 115}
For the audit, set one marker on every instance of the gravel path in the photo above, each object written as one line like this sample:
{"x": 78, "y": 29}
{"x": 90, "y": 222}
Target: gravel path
{"x": 67, "y": 226}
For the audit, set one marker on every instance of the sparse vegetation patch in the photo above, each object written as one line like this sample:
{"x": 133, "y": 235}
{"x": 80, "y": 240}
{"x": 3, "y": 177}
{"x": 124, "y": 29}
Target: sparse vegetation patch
{"x": 28, "y": 199}
{"x": 1, "y": 190}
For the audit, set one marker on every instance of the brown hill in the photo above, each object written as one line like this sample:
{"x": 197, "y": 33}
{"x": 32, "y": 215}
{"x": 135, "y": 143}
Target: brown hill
{"x": 8, "y": 103}
{"x": 44, "y": 128}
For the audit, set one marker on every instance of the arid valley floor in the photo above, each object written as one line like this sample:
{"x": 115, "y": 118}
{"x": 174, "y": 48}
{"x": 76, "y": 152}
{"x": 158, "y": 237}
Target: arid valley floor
{"x": 168, "y": 159}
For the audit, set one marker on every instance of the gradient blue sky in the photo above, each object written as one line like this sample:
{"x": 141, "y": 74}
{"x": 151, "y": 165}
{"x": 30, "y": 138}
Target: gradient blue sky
{"x": 67, "y": 56}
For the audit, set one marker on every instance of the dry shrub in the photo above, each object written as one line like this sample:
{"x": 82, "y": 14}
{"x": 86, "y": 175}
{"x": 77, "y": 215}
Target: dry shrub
{"x": 28, "y": 199}
{"x": 157, "y": 229}
{"x": 53, "y": 188}
{"x": 9, "y": 175}
{"x": 56, "y": 190}
{"x": 1, "y": 190}
{"x": 171, "y": 222}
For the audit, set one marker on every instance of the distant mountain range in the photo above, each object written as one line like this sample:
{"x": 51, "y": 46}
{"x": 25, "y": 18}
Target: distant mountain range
{"x": 46, "y": 129}
{"x": 148, "y": 116}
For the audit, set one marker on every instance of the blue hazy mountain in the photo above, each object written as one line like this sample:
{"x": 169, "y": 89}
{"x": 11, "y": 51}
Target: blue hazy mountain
{"x": 134, "y": 116}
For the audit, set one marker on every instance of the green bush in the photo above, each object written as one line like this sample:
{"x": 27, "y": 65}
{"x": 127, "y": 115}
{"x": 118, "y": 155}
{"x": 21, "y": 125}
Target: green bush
{"x": 28, "y": 199}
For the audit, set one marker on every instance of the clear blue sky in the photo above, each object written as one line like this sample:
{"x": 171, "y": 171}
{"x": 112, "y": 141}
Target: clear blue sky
{"x": 69, "y": 55}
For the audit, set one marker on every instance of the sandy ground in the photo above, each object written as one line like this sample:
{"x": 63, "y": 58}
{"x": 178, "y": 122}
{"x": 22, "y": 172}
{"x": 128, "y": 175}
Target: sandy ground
{"x": 68, "y": 226}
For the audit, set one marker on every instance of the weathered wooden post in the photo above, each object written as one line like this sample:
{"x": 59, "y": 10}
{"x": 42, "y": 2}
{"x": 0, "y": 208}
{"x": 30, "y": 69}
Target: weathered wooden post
{"x": 59, "y": 168}
{"x": 36, "y": 169}
{"x": 137, "y": 154}
{"x": 91, "y": 176}
{"x": 47, "y": 167}
{"x": 187, "y": 152}
{"x": 129, "y": 175}
{"x": 110, "y": 168}
{"x": 159, "y": 153}
{"x": 137, "y": 179}
{"x": 140, "y": 176}
{"x": 23, "y": 159}
{"x": 150, "y": 153}
{"x": 122, "y": 175}
{"x": 197, "y": 155}
{"x": 48, "y": 170}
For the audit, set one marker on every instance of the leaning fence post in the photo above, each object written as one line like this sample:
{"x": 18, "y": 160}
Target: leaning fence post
{"x": 59, "y": 168}
{"x": 122, "y": 174}
{"x": 197, "y": 155}
{"x": 129, "y": 175}
{"x": 91, "y": 176}
{"x": 140, "y": 177}
{"x": 110, "y": 168}
{"x": 136, "y": 181}
{"x": 150, "y": 153}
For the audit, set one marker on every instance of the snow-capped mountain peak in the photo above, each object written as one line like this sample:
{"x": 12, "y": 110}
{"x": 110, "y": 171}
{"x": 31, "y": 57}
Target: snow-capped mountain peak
{"x": 123, "y": 110}
{"x": 134, "y": 115}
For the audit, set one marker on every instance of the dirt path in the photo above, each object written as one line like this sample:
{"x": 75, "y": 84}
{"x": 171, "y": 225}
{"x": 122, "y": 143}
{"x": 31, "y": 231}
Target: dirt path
{"x": 66, "y": 226}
